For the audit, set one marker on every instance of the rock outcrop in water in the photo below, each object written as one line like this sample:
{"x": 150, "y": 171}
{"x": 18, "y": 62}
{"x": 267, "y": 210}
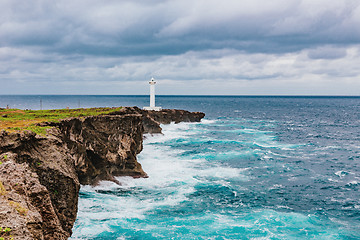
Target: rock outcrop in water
{"x": 40, "y": 176}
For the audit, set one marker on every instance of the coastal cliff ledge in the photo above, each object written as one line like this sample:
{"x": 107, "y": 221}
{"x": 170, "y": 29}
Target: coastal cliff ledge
{"x": 40, "y": 174}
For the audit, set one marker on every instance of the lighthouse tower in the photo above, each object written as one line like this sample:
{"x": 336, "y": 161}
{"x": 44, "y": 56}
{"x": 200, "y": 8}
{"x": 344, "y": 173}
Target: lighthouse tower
{"x": 152, "y": 97}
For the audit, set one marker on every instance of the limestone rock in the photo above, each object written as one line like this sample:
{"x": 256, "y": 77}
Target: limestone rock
{"x": 40, "y": 176}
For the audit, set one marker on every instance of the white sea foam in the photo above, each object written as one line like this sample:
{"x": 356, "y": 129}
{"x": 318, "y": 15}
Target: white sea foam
{"x": 224, "y": 173}
{"x": 168, "y": 173}
{"x": 333, "y": 180}
{"x": 173, "y": 178}
{"x": 170, "y": 131}
{"x": 283, "y": 207}
{"x": 353, "y": 183}
{"x": 267, "y": 142}
{"x": 276, "y": 186}
{"x": 342, "y": 174}
{"x": 255, "y": 131}
{"x": 230, "y": 154}
{"x": 208, "y": 121}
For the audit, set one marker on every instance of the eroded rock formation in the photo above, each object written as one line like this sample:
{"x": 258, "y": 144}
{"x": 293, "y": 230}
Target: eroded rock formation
{"x": 153, "y": 119}
{"x": 40, "y": 176}
{"x": 40, "y": 186}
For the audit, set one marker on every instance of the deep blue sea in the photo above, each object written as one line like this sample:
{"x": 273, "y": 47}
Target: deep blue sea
{"x": 254, "y": 168}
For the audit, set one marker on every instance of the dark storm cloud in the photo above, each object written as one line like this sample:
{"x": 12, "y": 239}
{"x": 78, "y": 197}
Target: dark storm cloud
{"x": 124, "y": 28}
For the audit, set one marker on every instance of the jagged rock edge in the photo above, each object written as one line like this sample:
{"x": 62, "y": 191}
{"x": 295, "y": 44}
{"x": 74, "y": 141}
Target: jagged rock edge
{"x": 76, "y": 151}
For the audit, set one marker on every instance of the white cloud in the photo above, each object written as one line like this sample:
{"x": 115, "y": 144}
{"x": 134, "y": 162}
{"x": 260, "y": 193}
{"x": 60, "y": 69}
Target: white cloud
{"x": 252, "y": 45}
{"x": 239, "y": 70}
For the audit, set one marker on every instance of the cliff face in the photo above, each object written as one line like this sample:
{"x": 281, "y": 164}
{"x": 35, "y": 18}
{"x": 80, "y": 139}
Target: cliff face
{"x": 40, "y": 176}
{"x": 104, "y": 146}
{"x": 40, "y": 186}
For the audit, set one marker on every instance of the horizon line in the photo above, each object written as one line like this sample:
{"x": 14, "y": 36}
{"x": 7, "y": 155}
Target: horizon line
{"x": 181, "y": 95}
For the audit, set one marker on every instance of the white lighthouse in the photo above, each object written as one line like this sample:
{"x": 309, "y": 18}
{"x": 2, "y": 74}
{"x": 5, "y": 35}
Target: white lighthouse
{"x": 152, "y": 97}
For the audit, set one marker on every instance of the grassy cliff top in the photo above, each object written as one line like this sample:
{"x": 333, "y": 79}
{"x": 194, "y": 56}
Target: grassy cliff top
{"x": 13, "y": 120}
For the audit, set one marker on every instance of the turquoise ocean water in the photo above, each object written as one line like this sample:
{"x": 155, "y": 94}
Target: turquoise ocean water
{"x": 254, "y": 168}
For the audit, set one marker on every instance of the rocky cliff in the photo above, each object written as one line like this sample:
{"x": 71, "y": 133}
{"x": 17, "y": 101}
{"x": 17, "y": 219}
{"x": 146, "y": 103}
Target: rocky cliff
{"x": 40, "y": 176}
{"x": 152, "y": 119}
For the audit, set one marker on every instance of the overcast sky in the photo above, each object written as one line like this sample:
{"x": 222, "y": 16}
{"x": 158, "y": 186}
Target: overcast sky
{"x": 222, "y": 47}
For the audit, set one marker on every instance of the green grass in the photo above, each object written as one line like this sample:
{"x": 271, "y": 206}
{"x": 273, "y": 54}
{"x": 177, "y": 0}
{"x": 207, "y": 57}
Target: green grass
{"x": 5, "y": 233}
{"x": 13, "y": 120}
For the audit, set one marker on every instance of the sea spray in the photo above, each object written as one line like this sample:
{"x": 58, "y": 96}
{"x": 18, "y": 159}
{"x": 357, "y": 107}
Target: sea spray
{"x": 208, "y": 181}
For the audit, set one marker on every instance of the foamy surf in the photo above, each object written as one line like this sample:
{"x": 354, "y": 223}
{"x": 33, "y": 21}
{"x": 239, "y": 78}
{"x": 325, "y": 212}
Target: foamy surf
{"x": 227, "y": 177}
